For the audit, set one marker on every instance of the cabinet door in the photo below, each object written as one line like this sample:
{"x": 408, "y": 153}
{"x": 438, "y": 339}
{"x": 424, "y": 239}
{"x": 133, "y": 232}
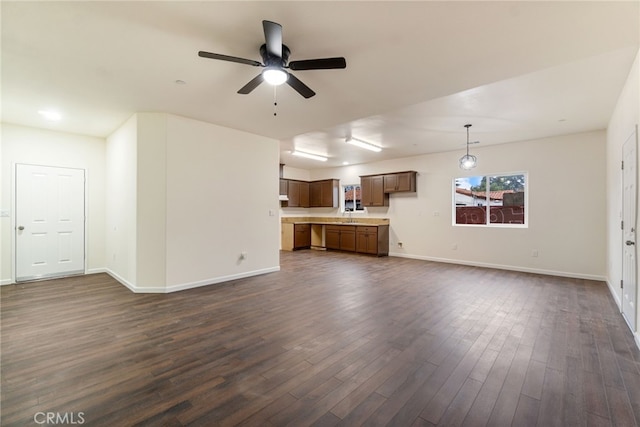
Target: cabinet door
{"x": 302, "y": 236}
{"x": 284, "y": 187}
{"x": 332, "y": 237}
{"x": 378, "y": 196}
{"x": 293, "y": 192}
{"x": 390, "y": 183}
{"x": 304, "y": 194}
{"x": 361, "y": 241}
{"x": 329, "y": 193}
{"x": 348, "y": 238}
{"x": 402, "y": 181}
{"x": 315, "y": 194}
{"x": 372, "y": 188}
{"x": 365, "y": 190}
{"x": 298, "y": 193}
{"x": 367, "y": 240}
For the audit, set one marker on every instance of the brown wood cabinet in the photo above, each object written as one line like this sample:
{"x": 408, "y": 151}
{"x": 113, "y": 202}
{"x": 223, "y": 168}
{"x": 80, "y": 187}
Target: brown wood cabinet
{"x": 340, "y": 237}
{"x": 400, "y": 181}
{"x": 372, "y": 240}
{"x": 324, "y": 193}
{"x": 314, "y": 194}
{"x": 284, "y": 187}
{"x": 372, "y": 191}
{"x": 301, "y": 236}
{"x": 298, "y": 194}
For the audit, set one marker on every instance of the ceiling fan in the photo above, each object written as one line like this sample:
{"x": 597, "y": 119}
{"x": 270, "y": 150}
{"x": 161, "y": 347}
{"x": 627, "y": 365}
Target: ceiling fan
{"x": 275, "y": 57}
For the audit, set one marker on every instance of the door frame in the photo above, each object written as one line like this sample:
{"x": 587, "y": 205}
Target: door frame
{"x": 632, "y": 139}
{"x": 14, "y": 210}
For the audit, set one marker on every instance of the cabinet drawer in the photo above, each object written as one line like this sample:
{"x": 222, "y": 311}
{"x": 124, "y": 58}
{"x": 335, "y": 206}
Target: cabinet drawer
{"x": 367, "y": 229}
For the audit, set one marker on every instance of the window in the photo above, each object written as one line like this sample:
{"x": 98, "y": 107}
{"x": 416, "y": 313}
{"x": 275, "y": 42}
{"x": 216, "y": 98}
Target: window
{"x": 496, "y": 200}
{"x": 352, "y": 198}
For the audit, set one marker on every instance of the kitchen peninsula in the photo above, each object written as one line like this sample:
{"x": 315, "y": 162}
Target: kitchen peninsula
{"x": 364, "y": 235}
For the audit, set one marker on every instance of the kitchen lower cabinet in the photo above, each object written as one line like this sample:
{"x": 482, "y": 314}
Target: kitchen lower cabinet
{"x": 372, "y": 240}
{"x": 301, "y": 236}
{"x": 340, "y": 237}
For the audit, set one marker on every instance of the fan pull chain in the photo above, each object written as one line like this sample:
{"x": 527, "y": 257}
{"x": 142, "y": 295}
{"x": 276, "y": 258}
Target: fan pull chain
{"x": 275, "y": 100}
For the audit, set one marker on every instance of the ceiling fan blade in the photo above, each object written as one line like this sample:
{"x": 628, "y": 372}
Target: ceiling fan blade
{"x": 300, "y": 87}
{"x": 318, "y": 64}
{"x": 273, "y": 38}
{"x": 229, "y": 58}
{"x": 253, "y": 83}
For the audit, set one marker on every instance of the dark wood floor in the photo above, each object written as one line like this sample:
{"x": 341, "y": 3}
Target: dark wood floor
{"x": 330, "y": 340}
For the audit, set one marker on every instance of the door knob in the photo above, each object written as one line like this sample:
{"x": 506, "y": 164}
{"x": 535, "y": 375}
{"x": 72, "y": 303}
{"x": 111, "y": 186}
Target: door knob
{"x": 21, "y": 227}
{"x": 629, "y": 243}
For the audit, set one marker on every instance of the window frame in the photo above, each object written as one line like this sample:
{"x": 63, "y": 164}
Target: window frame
{"x": 343, "y": 202}
{"x": 488, "y": 223}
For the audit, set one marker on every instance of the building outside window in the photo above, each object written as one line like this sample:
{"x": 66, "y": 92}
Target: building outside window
{"x": 491, "y": 200}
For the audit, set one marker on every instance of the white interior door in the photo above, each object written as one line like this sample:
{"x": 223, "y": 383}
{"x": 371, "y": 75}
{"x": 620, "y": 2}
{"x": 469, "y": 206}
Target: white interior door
{"x": 49, "y": 222}
{"x": 629, "y": 184}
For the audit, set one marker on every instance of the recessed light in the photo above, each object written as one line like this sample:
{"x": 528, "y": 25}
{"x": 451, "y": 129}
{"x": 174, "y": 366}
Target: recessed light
{"x": 50, "y": 115}
{"x": 345, "y": 163}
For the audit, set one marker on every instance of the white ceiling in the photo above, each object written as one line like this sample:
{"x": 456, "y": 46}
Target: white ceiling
{"x": 416, "y": 71}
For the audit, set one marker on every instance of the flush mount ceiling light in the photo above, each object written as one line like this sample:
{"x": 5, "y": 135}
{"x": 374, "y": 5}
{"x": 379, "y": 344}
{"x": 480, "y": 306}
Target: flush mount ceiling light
{"x": 275, "y": 76}
{"x": 309, "y": 155}
{"x": 468, "y": 161}
{"x": 54, "y": 116}
{"x": 362, "y": 144}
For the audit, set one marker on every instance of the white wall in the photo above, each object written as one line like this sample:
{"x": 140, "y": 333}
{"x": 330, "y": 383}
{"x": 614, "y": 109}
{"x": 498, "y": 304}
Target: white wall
{"x": 151, "y": 200}
{"x": 222, "y": 200}
{"x": 121, "y": 194}
{"x": 194, "y": 197}
{"x": 623, "y": 121}
{"x": 566, "y": 175}
{"x": 44, "y": 147}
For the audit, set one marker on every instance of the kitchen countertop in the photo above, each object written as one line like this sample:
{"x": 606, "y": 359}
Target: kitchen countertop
{"x": 335, "y": 221}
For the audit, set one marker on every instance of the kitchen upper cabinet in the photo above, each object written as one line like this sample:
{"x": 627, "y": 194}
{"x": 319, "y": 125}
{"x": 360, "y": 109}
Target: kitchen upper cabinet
{"x": 400, "y": 181}
{"x": 324, "y": 194}
{"x": 372, "y": 191}
{"x": 298, "y": 194}
{"x": 284, "y": 187}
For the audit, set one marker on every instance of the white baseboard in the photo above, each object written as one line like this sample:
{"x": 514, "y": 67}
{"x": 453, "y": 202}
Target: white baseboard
{"x": 221, "y": 279}
{"x": 614, "y": 294}
{"x": 190, "y": 285}
{"x": 6, "y": 282}
{"x": 502, "y": 267}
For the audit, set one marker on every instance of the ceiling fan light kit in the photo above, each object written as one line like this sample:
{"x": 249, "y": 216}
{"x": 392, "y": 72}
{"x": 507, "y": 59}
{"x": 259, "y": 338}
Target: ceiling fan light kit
{"x": 275, "y": 57}
{"x": 274, "y": 76}
{"x": 468, "y": 161}
{"x": 363, "y": 144}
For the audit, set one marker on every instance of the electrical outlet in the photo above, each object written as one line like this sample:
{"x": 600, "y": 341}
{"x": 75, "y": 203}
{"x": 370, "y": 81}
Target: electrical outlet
{"x": 534, "y": 253}
{"x": 400, "y": 244}
{"x": 454, "y": 247}
{"x": 243, "y": 255}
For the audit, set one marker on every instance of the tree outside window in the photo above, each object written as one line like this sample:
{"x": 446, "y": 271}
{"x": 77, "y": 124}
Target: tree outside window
{"x": 491, "y": 200}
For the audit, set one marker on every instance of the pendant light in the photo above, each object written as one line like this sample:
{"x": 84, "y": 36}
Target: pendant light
{"x": 468, "y": 161}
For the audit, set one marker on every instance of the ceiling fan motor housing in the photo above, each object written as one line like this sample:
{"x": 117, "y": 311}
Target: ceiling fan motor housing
{"x": 272, "y": 60}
